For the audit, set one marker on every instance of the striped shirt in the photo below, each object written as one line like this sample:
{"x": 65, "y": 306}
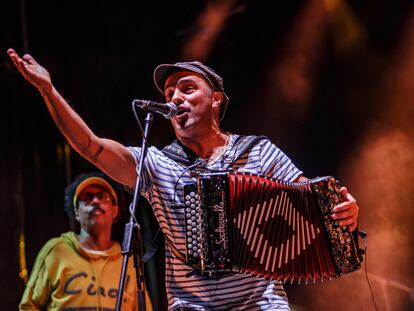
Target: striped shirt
{"x": 162, "y": 184}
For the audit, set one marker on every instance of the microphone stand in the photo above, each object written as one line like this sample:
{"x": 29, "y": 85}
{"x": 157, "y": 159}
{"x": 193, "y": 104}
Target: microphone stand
{"x": 132, "y": 243}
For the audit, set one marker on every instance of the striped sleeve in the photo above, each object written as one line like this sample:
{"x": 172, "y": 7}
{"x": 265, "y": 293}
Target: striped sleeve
{"x": 146, "y": 173}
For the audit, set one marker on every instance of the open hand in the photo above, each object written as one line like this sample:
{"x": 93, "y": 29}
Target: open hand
{"x": 31, "y": 70}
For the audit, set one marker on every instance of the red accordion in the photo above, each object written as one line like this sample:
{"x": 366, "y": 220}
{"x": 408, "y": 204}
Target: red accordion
{"x": 243, "y": 223}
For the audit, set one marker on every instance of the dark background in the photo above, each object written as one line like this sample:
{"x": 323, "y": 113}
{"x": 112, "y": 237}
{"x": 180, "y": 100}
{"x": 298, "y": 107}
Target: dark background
{"x": 330, "y": 82}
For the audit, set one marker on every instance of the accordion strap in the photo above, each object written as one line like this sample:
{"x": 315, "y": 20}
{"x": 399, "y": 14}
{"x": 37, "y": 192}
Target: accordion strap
{"x": 174, "y": 250}
{"x": 240, "y": 147}
{"x": 180, "y": 153}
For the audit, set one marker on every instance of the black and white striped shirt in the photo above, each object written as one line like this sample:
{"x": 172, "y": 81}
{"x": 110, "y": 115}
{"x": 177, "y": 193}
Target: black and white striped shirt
{"x": 163, "y": 181}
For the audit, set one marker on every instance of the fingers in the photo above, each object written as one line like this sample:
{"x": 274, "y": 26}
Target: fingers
{"x": 346, "y": 213}
{"x": 14, "y": 57}
{"x": 348, "y": 200}
{"x": 18, "y": 62}
{"x": 22, "y": 63}
{"x": 344, "y": 193}
{"x": 28, "y": 58}
{"x": 351, "y": 221}
{"x": 11, "y": 51}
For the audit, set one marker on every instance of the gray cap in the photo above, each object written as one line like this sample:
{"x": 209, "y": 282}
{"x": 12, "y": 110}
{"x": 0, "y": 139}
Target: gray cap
{"x": 162, "y": 72}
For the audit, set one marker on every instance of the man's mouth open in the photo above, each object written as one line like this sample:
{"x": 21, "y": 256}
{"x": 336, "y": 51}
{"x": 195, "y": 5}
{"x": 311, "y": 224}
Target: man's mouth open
{"x": 182, "y": 115}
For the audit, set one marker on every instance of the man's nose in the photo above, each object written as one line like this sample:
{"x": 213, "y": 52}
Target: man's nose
{"x": 177, "y": 97}
{"x": 96, "y": 200}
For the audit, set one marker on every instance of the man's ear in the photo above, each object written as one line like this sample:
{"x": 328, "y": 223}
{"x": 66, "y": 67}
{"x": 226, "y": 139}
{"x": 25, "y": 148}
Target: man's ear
{"x": 217, "y": 99}
{"x": 116, "y": 211}
{"x": 76, "y": 211}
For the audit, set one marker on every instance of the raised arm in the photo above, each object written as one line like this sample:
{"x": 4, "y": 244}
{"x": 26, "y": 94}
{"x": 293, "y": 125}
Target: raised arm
{"x": 110, "y": 156}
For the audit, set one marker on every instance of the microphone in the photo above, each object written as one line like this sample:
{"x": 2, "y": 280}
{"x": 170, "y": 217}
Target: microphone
{"x": 168, "y": 110}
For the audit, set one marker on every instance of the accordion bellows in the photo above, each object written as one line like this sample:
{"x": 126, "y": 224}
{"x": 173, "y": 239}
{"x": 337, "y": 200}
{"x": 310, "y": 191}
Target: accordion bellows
{"x": 243, "y": 223}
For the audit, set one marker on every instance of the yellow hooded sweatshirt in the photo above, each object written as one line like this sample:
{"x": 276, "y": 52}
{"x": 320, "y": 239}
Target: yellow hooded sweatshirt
{"x": 66, "y": 276}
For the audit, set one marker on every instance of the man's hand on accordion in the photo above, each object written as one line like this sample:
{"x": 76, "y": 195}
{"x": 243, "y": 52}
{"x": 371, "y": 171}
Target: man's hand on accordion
{"x": 346, "y": 213}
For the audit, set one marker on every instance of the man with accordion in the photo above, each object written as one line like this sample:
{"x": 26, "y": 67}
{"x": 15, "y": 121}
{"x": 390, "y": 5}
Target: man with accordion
{"x": 203, "y": 149}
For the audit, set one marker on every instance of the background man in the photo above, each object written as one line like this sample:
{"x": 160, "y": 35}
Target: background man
{"x": 201, "y": 145}
{"x": 81, "y": 268}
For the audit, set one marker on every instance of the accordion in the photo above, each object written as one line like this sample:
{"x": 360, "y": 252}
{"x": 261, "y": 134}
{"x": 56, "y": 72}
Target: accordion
{"x": 283, "y": 231}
